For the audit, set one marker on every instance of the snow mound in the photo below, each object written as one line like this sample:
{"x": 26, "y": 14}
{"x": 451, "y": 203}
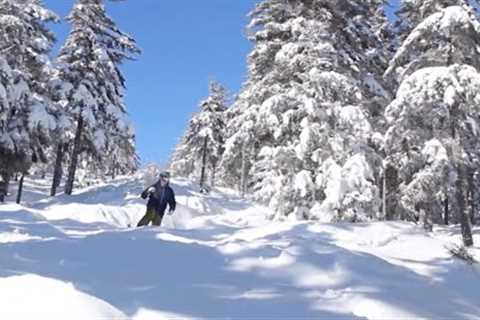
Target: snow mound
{"x": 118, "y": 204}
{"x": 219, "y": 257}
{"x": 44, "y": 298}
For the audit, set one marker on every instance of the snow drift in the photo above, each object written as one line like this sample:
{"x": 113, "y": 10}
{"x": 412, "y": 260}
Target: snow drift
{"x": 219, "y": 257}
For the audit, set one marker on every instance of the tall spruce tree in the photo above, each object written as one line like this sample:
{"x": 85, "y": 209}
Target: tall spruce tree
{"x": 202, "y": 146}
{"x": 65, "y": 131}
{"x": 451, "y": 23}
{"x": 89, "y": 62}
{"x": 26, "y": 113}
{"x": 434, "y": 113}
{"x": 301, "y": 137}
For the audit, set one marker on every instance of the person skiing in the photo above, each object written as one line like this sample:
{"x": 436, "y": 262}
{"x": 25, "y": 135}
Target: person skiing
{"x": 160, "y": 195}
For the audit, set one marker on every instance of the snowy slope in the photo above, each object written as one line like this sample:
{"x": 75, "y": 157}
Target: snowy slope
{"x": 218, "y": 257}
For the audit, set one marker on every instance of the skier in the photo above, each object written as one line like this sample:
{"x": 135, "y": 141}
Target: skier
{"x": 160, "y": 195}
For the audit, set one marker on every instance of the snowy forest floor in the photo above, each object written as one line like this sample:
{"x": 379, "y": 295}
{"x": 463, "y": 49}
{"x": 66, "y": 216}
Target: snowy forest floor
{"x": 218, "y": 257}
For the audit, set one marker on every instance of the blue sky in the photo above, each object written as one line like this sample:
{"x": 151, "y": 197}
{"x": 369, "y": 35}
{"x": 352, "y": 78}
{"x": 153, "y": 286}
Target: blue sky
{"x": 185, "y": 43}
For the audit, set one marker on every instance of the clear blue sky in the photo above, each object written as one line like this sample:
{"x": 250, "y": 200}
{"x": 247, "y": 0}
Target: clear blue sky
{"x": 185, "y": 43}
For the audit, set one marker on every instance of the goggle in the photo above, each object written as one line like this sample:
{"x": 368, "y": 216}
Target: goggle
{"x": 164, "y": 177}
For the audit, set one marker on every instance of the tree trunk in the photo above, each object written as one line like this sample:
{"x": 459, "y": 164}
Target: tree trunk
{"x": 204, "y": 164}
{"x": 461, "y": 195}
{"x": 471, "y": 197}
{"x": 461, "y": 185}
{"x": 7, "y": 184}
{"x": 427, "y": 219}
{"x": 58, "y": 171}
{"x": 20, "y": 189}
{"x": 384, "y": 196}
{"x": 214, "y": 172}
{"x": 4, "y": 185}
{"x": 3, "y": 192}
{"x": 446, "y": 213}
{"x": 390, "y": 192}
{"x": 74, "y": 158}
{"x": 472, "y": 207}
{"x": 243, "y": 177}
{"x": 114, "y": 170}
{"x": 191, "y": 171}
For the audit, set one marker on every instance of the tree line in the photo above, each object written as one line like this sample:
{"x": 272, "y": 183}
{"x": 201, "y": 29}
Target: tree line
{"x": 65, "y": 113}
{"x": 348, "y": 116}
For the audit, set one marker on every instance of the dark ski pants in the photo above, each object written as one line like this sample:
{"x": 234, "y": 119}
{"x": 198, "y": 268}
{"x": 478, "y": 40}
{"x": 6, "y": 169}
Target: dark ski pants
{"x": 151, "y": 216}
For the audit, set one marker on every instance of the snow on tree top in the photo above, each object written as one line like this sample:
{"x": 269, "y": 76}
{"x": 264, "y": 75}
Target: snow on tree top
{"x": 445, "y": 29}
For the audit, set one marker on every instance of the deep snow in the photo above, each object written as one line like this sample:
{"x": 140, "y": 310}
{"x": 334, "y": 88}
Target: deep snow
{"x": 219, "y": 257}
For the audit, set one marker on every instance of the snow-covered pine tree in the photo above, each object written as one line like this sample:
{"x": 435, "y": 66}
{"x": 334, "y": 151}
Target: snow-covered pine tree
{"x": 89, "y": 62}
{"x": 303, "y": 123}
{"x": 26, "y": 114}
{"x": 434, "y": 114}
{"x": 451, "y": 23}
{"x": 433, "y": 138}
{"x": 412, "y": 13}
{"x": 203, "y": 143}
{"x": 181, "y": 164}
{"x": 241, "y": 143}
{"x": 121, "y": 154}
{"x": 65, "y": 131}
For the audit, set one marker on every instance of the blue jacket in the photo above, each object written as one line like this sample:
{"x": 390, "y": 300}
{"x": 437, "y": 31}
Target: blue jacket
{"x": 159, "y": 199}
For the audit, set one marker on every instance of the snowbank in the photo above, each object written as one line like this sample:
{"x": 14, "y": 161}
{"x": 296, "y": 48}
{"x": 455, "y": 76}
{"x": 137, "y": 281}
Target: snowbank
{"x": 33, "y": 297}
{"x": 219, "y": 257}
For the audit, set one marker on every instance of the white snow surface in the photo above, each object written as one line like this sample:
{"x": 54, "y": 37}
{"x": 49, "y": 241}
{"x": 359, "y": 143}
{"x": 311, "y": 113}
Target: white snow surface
{"x": 218, "y": 257}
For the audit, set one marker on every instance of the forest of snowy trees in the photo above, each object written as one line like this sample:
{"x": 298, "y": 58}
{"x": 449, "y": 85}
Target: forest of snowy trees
{"x": 63, "y": 115}
{"x": 348, "y": 116}
{"x": 345, "y": 115}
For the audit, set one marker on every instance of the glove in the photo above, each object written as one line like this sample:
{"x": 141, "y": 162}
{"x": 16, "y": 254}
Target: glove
{"x": 170, "y": 212}
{"x": 148, "y": 192}
{"x": 151, "y": 190}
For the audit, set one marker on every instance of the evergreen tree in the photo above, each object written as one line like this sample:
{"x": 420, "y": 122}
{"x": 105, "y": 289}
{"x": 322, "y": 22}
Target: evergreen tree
{"x": 89, "y": 62}
{"x": 412, "y": 13}
{"x": 64, "y": 133}
{"x": 314, "y": 90}
{"x": 181, "y": 163}
{"x": 436, "y": 158}
{"x": 26, "y": 114}
{"x": 203, "y": 143}
{"x": 435, "y": 114}
{"x": 446, "y": 33}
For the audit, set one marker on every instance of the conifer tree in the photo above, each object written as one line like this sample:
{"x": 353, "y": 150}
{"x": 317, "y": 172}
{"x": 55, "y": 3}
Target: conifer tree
{"x": 304, "y": 120}
{"x": 437, "y": 157}
{"x": 203, "y": 143}
{"x": 89, "y": 63}
{"x": 26, "y": 114}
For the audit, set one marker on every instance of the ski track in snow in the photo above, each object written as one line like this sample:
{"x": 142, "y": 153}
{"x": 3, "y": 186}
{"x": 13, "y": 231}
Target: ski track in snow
{"x": 218, "y": 257}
